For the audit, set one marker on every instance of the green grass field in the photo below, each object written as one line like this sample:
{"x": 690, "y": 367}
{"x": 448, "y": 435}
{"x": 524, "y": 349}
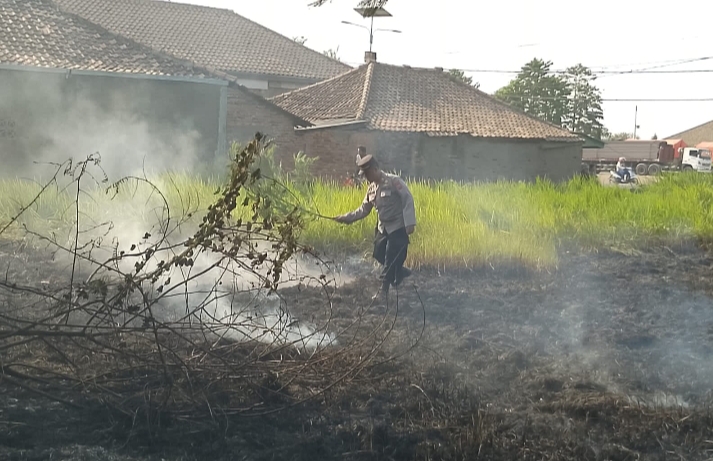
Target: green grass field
{"x": 458, "y": 225}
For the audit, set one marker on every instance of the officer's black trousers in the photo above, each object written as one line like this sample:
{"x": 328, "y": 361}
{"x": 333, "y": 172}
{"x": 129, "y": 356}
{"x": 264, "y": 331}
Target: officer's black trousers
{"x": 391, "y": 250}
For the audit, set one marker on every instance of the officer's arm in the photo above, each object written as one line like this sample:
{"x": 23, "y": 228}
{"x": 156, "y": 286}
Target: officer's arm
{"x": 407, "y": 202}
{"x": 360, "y": 213}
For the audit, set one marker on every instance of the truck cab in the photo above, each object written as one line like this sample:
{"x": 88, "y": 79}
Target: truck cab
{"x": 695, "y": 159}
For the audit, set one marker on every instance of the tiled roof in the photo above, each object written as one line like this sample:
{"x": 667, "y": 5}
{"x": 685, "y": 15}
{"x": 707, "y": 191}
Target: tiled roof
{"x": 400, "y": 98}
{"x": 337, "y": 99}
{"x": 696, "y": 135}
{"x": 36, "y": 33}
{"x": 206, "y": 36}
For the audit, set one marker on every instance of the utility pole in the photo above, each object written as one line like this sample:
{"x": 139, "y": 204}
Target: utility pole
{"x": 574, "y": 105}
{"x": 636, "y": 114}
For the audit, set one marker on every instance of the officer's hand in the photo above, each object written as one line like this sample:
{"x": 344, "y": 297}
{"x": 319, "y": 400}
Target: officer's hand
{"x": 410, "y": 229}
{"x": 341, "y": 219}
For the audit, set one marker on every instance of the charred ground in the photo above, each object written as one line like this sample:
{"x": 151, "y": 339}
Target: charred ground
{"x": 604, "y": 358}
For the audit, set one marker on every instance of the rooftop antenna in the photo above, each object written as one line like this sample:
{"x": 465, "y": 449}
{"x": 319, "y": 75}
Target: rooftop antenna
{"x": 372, "y": 12}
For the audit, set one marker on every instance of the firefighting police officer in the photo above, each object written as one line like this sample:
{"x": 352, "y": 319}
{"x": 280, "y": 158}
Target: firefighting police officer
{"x": 396, "y": 220}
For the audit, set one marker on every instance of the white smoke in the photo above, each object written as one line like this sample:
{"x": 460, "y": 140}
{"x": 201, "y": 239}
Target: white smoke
{"x": 223, "y": 295}
{"x": 134, "y": 129}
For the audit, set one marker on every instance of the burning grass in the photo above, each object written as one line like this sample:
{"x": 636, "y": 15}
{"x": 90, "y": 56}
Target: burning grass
{"x": 460, "y": 225}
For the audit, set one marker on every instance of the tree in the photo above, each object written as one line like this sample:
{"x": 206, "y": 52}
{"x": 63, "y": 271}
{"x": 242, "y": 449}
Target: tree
{"x": 301, "y": 39}
{"x": 584, "y": 111}
{"x": 621, "y": 136}
{"x": 654, "y": 137}
{"x": 332, "y": 53}
{"x": 538, "y": 92}
{"x": 570, "y": 99}
{"x": 459, "y": 75}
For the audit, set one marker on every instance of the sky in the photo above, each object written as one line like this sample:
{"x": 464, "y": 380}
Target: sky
{"x": 611, "y": 35}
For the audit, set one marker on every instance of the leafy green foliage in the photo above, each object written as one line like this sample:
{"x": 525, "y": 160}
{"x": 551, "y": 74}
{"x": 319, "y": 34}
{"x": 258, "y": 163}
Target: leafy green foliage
{"x": 538, "y": 92}
{"x": 230, "y": 237}
{"x": 459, "y": 75}
{"x": 332, "y": 53}
{"x": 584, "y": 110}
{"x": 621, "y": 136}
{"x": 570, "y": 99}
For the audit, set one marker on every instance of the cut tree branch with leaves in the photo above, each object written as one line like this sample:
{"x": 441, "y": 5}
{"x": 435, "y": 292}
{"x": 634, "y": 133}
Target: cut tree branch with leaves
{"x": 173, "y": 314}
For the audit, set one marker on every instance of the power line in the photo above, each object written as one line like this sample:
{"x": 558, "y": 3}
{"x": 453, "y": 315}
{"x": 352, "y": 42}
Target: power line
{"x": 657, "y": 69}
{"x": 652, "y": 64}
{"x": 658, "y": 100}
{"x": 568, "y": 98}
{"x": 594, "y": 72}
{"x": 597, "y": 72}
{"x": 677, "y": 63}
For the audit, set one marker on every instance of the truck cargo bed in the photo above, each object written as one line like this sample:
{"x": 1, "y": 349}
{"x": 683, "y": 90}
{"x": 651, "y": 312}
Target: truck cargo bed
{"x": 632, "y": 150}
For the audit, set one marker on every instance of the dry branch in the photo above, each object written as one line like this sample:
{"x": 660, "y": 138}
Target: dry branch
{"x": 182, "y": 325}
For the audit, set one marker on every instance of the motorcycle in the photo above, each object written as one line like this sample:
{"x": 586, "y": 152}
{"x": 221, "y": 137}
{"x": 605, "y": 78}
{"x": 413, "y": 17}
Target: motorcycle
{"x": 627, "y": 177}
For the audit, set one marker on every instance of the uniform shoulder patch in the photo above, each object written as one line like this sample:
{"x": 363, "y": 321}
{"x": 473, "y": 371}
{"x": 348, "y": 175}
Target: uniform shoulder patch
{"x": 397, "y": 183}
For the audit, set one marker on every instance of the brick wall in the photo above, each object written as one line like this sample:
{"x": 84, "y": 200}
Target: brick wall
{"x": 397, "y": 152}
{"x": 471, "y": 159}
{"x": 247, "y": 114}
{"x": 461, "y": 158}
{"x": 411, "y": 155}
{"x": 337, "y": 149}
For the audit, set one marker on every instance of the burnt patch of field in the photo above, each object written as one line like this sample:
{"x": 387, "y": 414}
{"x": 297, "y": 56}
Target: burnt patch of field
{"x": 605, "y": 358}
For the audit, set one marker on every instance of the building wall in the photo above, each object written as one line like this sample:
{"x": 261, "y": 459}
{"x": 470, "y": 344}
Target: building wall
{"x": 472, "y": 159}
{"x": 336, "y": 149}
{"x": 247, "y": 115}
{"x": 135, "y": 124}
{"x": 460, "y": 158}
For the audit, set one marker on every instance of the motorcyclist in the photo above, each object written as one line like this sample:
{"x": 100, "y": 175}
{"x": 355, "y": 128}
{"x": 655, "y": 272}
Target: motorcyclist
{"x": 622, "y": 170}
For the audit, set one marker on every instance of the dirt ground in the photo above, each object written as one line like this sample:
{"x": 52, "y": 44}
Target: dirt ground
{"x": 606, "y": 358}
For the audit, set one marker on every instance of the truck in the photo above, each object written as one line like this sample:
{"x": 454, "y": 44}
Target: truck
{"x": 645, "y": 157}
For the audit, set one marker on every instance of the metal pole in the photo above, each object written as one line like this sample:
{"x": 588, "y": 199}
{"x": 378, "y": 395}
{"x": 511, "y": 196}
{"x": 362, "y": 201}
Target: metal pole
{"x": 371, "y": 33}
{"x": 636, "y": 113}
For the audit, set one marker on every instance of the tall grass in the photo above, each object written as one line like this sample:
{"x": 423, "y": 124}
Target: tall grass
{"x": 458, "y": 224}
{"x": 473, "y": 224}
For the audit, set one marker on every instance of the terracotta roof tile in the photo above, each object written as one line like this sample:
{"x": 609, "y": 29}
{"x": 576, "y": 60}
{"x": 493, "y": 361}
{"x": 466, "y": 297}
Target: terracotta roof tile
{"x": 338, "y": 98}
{"x": 206, "y": 36}
{"x": 415, "y": 100}
{"x": 696, "y": 135}
{"x": 36, "y": 33}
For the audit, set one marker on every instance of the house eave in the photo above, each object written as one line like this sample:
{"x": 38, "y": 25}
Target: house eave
{"x": 324, "y": 126}
{"x": 128, "y": 74}
{"x": 274, "y": 77}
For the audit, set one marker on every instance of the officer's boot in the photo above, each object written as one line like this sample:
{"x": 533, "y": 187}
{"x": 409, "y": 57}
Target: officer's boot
{"x": 403, "y": 273}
